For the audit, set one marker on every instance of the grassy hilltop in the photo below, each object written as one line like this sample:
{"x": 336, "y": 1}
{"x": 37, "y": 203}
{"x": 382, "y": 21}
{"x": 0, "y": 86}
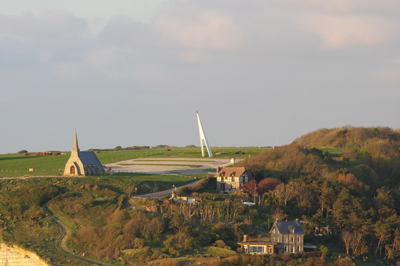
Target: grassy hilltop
{"x": 371, "y": 154}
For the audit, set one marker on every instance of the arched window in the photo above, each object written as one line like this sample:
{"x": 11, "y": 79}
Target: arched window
{"x": 72, "y": 170}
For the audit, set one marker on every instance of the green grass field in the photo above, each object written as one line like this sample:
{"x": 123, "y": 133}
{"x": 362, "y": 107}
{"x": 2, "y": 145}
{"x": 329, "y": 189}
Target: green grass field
{"x": 13, "y": 165}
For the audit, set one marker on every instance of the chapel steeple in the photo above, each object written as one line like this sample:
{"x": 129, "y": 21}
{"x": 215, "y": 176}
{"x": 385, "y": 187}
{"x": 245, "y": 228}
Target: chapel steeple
{"x": 75, "y": 148}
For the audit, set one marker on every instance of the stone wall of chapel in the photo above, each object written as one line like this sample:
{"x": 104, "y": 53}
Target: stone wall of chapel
{"x": 75, "y": 161}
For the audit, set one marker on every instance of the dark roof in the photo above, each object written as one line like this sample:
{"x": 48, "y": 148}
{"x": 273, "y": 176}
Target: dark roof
{"x": 285, "y": 226}
{"x": 88, "y": 157}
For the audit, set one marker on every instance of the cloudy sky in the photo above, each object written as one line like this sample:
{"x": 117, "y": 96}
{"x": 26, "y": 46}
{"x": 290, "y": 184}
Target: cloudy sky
{"x": 135, "y": 72}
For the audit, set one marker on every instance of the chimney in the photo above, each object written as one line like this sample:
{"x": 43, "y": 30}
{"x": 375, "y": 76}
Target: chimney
{"x": 244, "y": 238}
{"x": 218, "y": 169}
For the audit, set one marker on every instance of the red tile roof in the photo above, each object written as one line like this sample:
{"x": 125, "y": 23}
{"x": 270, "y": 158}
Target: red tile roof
{"x": 230, "y": 171}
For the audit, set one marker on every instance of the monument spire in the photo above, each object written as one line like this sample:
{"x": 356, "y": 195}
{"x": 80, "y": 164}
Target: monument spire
{"x": 203, "y": 138}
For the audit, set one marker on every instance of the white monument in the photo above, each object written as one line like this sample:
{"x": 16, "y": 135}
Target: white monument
{"x": 203, "y": 138}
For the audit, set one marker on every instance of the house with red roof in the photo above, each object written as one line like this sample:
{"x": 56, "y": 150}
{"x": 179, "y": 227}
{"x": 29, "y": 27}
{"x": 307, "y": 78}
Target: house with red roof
{"x": 231, "y": 178}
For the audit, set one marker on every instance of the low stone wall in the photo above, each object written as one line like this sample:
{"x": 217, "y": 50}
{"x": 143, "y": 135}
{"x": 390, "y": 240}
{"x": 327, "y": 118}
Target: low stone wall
{"x": 15, "y": 256}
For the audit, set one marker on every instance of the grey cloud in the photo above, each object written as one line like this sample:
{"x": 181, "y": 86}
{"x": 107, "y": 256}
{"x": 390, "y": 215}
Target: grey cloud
{"x": 146, "y": 80}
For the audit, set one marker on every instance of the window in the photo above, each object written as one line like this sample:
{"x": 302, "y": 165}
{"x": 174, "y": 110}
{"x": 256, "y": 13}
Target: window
{"x": 298, "y": 239}
{"x": 286, "y": 239}
{"x": 259, "y": 249}
{"x": 285, "y": 248}
{"x": 236, "y": 179}
{"x": 292, "y": 249}
{"x": 219, "y": 178}
{"x": 291, "y": 239}
{"x": 298, "y": 248}
{"x": 72, "y": 170}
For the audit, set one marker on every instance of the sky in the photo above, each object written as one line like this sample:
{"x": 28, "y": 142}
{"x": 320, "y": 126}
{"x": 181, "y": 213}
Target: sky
{"x": 260, "y": 73}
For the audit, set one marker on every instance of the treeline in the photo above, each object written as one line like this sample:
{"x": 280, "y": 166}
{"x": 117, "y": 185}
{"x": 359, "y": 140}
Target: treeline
{"x": 123, "y": 149}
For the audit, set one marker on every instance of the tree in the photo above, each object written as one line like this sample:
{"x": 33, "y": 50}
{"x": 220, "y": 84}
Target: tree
{"x": 356, "y": 240}
{"x": 347, "y": 237}
{"x": 342, "y": 207}
{"x": 176, "y": 222}
{"x": 267, "y": 184}
{"x": 285, "y": 192}
{"x": 350, "y": 180}
{"x": 327, "y": 198}
{"x": 304, "y": 197}
{"x": 250, "y": 187}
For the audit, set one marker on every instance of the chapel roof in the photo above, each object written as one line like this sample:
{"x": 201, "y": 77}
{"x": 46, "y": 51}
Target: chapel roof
{"x": 89, "y": 157}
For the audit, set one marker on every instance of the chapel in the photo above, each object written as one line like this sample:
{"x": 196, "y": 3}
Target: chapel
{"x": 82, "y": 163}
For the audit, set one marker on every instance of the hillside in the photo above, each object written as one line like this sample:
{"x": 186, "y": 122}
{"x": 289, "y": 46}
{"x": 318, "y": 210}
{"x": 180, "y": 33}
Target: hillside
{"x": 353, "y": 137}
{"x": 370, "y": 154}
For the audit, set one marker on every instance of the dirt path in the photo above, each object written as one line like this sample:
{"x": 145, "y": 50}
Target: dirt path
{"x": 64, "y": 238}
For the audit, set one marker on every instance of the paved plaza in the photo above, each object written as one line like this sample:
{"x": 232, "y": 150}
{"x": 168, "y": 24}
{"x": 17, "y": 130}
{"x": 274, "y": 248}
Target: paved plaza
{"x": 169, "y": 165}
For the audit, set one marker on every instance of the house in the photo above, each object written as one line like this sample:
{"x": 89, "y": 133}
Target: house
{"x": 187, "y": 199}
{"x": 257, "y": 246}
{"x": 231, "y": 178}
{"x": 288, "y": 235}
{"x": 83, "y": 163}
{"x": 321, "y": 230}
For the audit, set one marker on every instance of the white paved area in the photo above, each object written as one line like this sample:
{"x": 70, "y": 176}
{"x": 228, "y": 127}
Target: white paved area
{"x": 168, "y": 165}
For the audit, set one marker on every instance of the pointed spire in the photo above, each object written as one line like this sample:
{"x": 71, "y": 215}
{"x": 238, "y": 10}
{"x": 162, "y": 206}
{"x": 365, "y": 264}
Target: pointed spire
{"x": 75, "y": 147}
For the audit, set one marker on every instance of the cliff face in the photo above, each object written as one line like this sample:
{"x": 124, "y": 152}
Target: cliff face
{"x": 15, "y": 256}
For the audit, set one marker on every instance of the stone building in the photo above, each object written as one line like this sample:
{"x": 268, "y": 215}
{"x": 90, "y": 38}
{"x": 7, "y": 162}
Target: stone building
{"x": 257, "y": 246}
{"x": 231, "y": 178}
{"x": 288, "y": 236}
{"x": 82, "y": 163}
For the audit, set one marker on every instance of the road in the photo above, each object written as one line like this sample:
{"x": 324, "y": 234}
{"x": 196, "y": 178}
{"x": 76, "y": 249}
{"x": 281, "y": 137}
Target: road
{"x": 163, "y": 193}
